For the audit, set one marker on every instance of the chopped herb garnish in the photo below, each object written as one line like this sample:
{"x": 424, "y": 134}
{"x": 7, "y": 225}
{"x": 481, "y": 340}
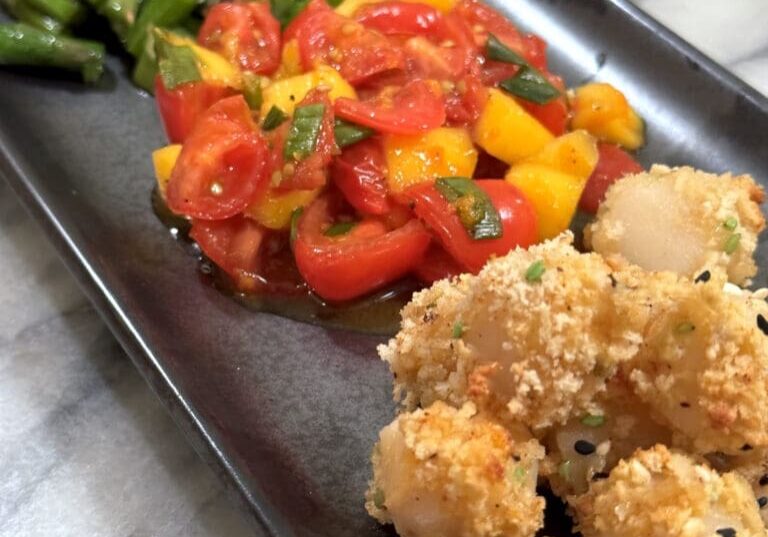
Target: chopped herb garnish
{"x": 732, "y": 243}
{"x": 473, "y": 207}
{"x": 564, "y": 470}
{"x": 496, "y": 50}
{"x": 273, "y": 119}
{"x": 519, "y": 473}
{"x": 295, "y": 215}
{"x": 378, "y": 498}
{"x": 685, "y": 328}
{"x": 458, "y": 330}
{"x": 347, "y": 133}
{"x": 593, "y": 420}
{"x": 252, "y": 90}
{"x": 339, "y": 228}
{"x": 305, "y": 128}
{"x": 730, "y": 223}
{"x": 177, "y": 64}
{"x": 762, "y": 323}
{"x": 535, "y": 271}
{"x": 583, "y": 447}
{"x": 530, "y": 84}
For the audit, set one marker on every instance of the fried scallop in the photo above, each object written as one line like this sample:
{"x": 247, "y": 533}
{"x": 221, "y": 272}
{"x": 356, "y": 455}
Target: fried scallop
{"x": 658, "y": 492}
{"x": 681, "y": 220}
{"x": 752, "y": 465}
{"x": 703, "y": 366}
{"x": 443, "y": 472}
{"x": 530, "y": 339}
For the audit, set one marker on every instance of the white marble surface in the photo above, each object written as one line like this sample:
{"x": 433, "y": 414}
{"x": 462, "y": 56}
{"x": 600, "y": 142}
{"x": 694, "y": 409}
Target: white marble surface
{"x": 85, "y": 449}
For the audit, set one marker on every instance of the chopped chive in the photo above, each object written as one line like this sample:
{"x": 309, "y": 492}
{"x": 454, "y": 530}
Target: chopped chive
{"x": 519, "y": 473}
{"x": 305, "y": 129}
{"x": 564, "y": 470}
{"x": 730, "y": 223}
{"x": 273, "y": 119}
{"x": 685, "y": 328}
{"x": 347, "y": 133}
{"x": 593, "y": 420}
{"x": 252, "y": 90}
{"x": 732, "y": 243}
{"x": 530, "y": 84}
{"x": 458, "y": 330}
{"x": 496, "y": 50}
{"x": 535, "y": 271}
{"x": 473, "y": 207}
{"x": 378, "y": 498}
{"x": 339, "y": 228}
{"x": 295, "y": 215}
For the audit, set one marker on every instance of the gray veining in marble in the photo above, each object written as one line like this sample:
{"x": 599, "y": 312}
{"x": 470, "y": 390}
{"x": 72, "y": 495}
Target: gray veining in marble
{"x": 85, "y": 449}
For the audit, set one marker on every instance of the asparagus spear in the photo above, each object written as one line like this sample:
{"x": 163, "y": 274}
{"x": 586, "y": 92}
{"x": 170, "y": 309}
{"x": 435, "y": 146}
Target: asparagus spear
{"x": 156, "y": 13}
{"x": 64, "y": 11}
{"x": 21, "y": 44}
{"x": 27, "y": 14}
{"x": 121, "y": 14}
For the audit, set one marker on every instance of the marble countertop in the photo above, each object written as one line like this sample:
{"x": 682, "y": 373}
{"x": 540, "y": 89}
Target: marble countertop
{"x": 85, "y": 448}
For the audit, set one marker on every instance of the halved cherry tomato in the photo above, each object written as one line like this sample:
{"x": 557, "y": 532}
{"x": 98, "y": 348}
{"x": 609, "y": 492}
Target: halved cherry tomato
{"x": 554, "y": 114}
{"x": 222, "y": 166}
{"x": 417, "y": 107}
{"x": 612, "y": 164}
{"x": 399, "y": 18}
{"x": 518, "y": 220}
{"x": 437, "y": 265}
{"x": 360, "y": 261}
{"x": 360, "y": 175}
{"x": 181, "y": 106}
{"x": 233, "y": 244}
{"x": 245, "y": 33}
{"x": 356, "y": 52}
{"x": 465, "y": 102}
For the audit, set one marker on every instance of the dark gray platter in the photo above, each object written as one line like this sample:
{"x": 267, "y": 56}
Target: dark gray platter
{"x": 287, "y": 412}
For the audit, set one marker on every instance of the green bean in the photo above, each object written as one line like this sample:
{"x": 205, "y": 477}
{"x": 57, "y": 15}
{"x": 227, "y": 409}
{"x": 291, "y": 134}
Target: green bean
{"x": 121, "y": 14}
{"x": 164, "y": 13}
{"x": 25, "y": 13}
{"x": 65, "y": 11}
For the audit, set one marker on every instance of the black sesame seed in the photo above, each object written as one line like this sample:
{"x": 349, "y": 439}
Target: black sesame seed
{"x": 583, "y": 447}
{"x": 762, "y": 324}
{"x": 726, "y": 532}
{"x": 762, "y": 501}
{"x": 703, "y": 277}
{"x": 685, "y": 404}
{"x": 764, "y": 480}
{"x": 597, "y": 476}
{"x": 746, "y": 447}
{"x": 613, "y": 280}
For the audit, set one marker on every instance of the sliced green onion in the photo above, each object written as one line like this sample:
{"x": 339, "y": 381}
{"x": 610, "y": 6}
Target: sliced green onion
{"x": 378, "y": 498}
{"x": 305, "y": 128}
{"x": 732, "y": 243}
{"x": 535, "y": 271}
{"x": 273, "y": 119}
{"x": 252, "y": 90}
{"x": 286, "y": 10}
{"x": 295, "y": 215}
{"x": 458, "y": 330}
{"x": 339, "y": 228}
{"x": 496, "y": 50}
{"x": 530, "y": 84}
{"x": 730, "y": 223}
{"x": 177, "y": 65}
{"x": 473, "y": 207}
{"x": 685, "y": 328}
{"x": 564, "y": 470}
{"x": 347, "y": 133}
{"x": 593, "y": 420}
{"x": 520, "y": 473}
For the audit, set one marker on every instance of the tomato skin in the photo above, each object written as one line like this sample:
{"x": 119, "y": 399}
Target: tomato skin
{"x": 519, "y": 224}
{"x": 182, "y": 106}
{"x": 359, "y": 175}
{"x": 612, "y": 164}
{"x": 399, "y": 18}
{"x": 245, "y": 33}
{"x": 222, "y": 166}
{"x": 465, "y": 103}
{"x": 417, "y": 107}
{"x": 554, "y": 115}
{"x": 233, "y": 244}
{"x": 363, "y": 260}
{"x": 437, "y": 265}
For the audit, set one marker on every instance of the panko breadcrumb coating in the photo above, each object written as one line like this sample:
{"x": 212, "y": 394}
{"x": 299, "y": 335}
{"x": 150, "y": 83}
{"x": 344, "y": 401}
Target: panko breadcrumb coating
{"x": 443, "y": 472}
{"x": 703, "y": 365}
{"x": 658, "y": 492}
{"x": 682, "y": 220}
{"x": 532, "y": 338}
{"x": 752, "y": 465}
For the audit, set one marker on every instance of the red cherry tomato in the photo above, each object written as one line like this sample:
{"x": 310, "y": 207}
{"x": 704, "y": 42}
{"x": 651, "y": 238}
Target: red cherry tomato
{"x": 222, "y": 166}
{"x": 359, "y": 174}
{"x": 554, "y": 114}
{"x": 245, "y": 33}
{"x": 437, "y": 265}
{"x": 357, "y": 53}
{"x": 612, "y": 164}
{"x": 399, "y": 18}
{"x": 181, "y": 106}
{"x": 518, "y": 220}
{"x": 233, "y": 244}
{"x": 465, "y": 102}
{"x": 364, "y": 259}
{"x": 416, "y": 107}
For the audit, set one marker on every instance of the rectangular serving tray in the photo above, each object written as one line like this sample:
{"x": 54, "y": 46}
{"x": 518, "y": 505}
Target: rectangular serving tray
{"x": 285, "y": 412}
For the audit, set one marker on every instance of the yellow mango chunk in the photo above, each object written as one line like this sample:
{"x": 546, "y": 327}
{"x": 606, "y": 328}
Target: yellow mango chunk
{"x": 553, "y": 194}
{"x": 348, "y": 7}
{"x": 506, "y": 131}
{"x": 163, "y": 160}
{"x": 213, "y": 67}
{"x": 574, "y": 153}
{"x": 274, "y": 209}
{"x": 290, "y": 62}
{"x": 441, "y": 152}
{"x": 605, "y": 112}
{"x": 288, "y": 92}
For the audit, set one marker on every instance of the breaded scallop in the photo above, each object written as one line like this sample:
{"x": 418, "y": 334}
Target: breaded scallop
{"x": 752, "y": 465}
{"x": 530, "y": 339}
{"x": 443, "y": 472}
{"x": 663, "y": 493}
{"x": 681, "y": 220}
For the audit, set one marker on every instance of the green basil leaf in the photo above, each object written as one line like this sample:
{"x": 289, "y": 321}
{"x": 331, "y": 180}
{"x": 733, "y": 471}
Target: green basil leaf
{"x": 530, "y": 85}
{"x": 286, "y": 10}
{"x": 177, "y": 65}
{"x": 347, "y": 133}
{"x": 252, "y": 90}
{"x": 273, "y": 119}
{"x": 305, "y": 128}
{"x": 496, "y": 50}
{"x": 473, "y": 207}
{"x": 339, "y": 228}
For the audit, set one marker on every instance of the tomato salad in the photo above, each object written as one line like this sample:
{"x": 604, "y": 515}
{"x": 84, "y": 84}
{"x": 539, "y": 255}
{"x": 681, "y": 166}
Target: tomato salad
{"x": 377, "y": 139}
